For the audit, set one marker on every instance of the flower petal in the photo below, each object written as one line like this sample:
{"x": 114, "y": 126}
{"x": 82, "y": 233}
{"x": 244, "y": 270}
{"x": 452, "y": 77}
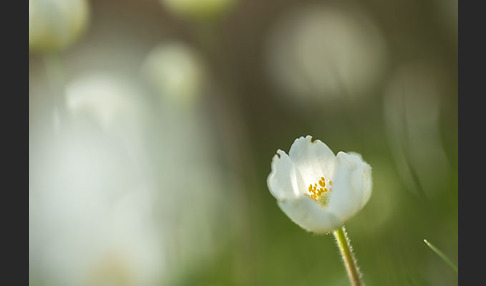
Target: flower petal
{"x": 312, "y": 159}
{"x": 309, "y": 215}
{"x": 284, "y": 182}
{"x": 351, "y": 185}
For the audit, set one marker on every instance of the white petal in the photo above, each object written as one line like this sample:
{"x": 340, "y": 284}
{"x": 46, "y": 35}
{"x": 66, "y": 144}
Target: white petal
{"x": 312, "y": 159}
{"x": 283, "y": 181}
{"x": 310, "y": 215}
{"x": 351, "y": 188}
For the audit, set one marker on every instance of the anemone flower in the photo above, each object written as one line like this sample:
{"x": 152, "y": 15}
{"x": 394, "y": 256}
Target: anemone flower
{"x": 320, "y": 191}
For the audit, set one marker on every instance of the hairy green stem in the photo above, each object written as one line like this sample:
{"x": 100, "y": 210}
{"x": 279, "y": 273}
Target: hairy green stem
{"x": 347, "y": 254}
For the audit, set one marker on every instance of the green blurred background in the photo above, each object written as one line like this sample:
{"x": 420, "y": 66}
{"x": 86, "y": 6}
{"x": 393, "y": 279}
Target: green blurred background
{"x": 152, "y": 125}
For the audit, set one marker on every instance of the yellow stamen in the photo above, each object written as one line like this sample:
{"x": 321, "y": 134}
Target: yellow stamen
{"x": 315, "y": 190}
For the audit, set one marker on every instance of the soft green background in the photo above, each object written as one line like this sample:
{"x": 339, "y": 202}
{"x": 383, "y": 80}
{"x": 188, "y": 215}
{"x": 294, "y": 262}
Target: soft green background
{"x": 414, "y": 187}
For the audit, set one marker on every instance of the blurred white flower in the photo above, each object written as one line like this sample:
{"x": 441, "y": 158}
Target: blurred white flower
{"x": 92, "y": 189}
{"x": 91, "y": 220}
{"x": 316, "y": 189}
{"x": 198, "y": 9}
{"x": 56, "y": 24}
{"x": 116, "y": 105}
{"x": 107, "y": 98}
{"x": 321, "y": 52}
{"x": 176, "y": 71}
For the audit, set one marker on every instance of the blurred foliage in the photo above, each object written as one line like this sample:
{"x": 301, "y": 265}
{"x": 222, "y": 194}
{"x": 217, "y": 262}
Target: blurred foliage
{"x": 404, "y": 124}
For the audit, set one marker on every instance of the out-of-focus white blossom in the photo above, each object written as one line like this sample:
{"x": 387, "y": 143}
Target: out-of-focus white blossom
{"x": 91, "y": 220}
{"x": 107, "y": 98}
{"x": 119, "y": 192}
{"x": 176, "y": 71}
{"x": 92, "y": 189}
{"x": 56, "y": 24}
{"x": 320, "y": 52}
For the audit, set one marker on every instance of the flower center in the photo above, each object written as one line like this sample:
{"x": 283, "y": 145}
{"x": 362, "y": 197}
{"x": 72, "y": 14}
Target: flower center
{"x": 320, "y": 191}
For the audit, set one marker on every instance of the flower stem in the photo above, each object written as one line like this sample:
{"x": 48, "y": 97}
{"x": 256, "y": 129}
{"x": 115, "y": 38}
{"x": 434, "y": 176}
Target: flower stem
{"x": 56, "y": 78}
{"x": 349, "y": 260}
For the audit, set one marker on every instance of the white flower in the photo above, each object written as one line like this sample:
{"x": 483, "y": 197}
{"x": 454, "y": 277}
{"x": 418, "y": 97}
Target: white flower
{"x": 54, "y": 25}
{"x": 321, "y": 52}
{"x": 177, "y": 72}
{"x": 316, "y": 189}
